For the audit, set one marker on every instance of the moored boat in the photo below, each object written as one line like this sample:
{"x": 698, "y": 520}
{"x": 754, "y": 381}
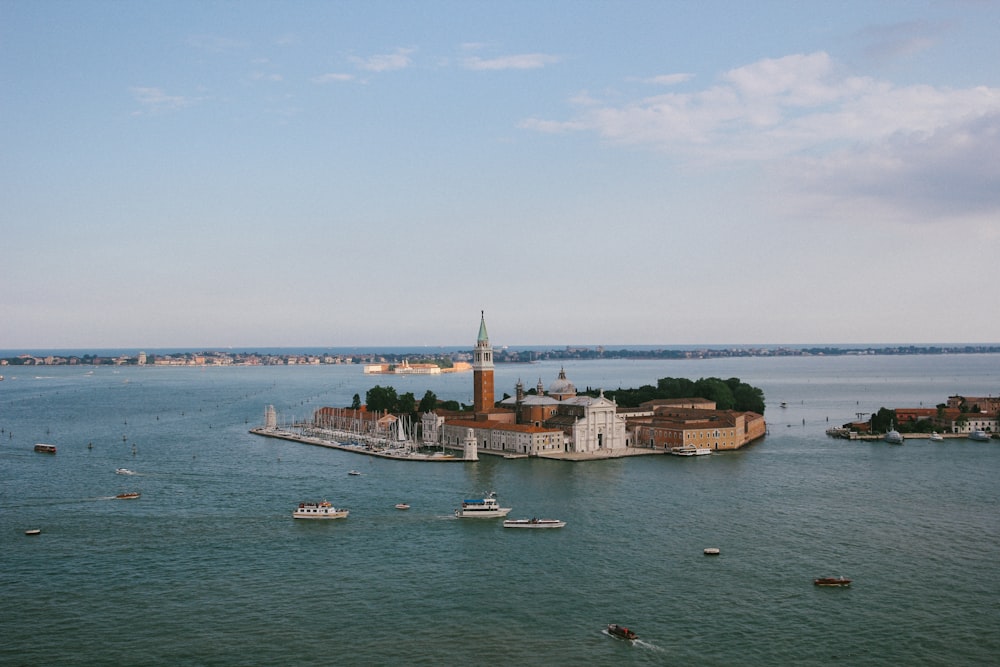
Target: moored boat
{"x": 936, "y": 437}
{"x": 484, "y": 508}
{"x": 690, "y": 450}
{"x": 45, "y": 449}
{"x": 981, "y": 436}
{"x": 533, "y": 523}
{"x": 894, "y": 437}
{"x": 621, "y": 631}
{"x": 832, "y": 581}
{"x": 128, "y": 495}
{"x": 321, "y": 510}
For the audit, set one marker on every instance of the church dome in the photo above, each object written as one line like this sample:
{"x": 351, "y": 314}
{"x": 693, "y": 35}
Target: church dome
{"x": 562, "y": 386}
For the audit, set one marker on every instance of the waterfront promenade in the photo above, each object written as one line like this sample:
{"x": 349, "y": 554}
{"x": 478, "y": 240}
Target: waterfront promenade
{"x": 407, "y": 454}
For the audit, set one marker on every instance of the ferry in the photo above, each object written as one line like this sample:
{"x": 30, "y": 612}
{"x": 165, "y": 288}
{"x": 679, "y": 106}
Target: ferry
{"x": 323, "y": 510}
{"x": 484, "y": 508}
{"x": 533, "y": 523}
{"x": 45, "y": 449}
{"x": 690, "y": 450}
{"x": 832, "y": 581}
{"x": 128, "y": 495}
{"x": 621, "y": 631}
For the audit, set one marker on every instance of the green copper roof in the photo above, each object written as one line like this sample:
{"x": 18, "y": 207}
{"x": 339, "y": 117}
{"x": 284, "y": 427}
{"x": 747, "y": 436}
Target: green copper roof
{"x": 483, "y": 336}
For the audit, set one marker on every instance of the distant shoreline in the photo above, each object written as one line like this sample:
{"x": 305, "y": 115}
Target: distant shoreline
{"x": 503, "y": 355}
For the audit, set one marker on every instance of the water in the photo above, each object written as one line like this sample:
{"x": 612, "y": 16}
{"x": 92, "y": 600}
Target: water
{"x": 208, "y": 568}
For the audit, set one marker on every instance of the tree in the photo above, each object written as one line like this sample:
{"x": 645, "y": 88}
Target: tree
{"x": 406, "y": 404}
{"x": 380, "y": 399}
{"x": 428, "y": 402}
{"x": 356, "y": 403}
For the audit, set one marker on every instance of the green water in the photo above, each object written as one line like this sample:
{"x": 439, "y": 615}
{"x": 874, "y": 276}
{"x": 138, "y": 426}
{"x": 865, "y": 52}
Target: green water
{"x": 208, "y": 568}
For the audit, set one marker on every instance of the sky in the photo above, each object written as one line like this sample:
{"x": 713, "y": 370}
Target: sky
{"x": 208, "y": 174}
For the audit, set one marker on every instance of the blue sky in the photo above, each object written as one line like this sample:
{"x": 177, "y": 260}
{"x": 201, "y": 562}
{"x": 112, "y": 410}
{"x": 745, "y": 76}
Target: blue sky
{"x": 376, "y": 173}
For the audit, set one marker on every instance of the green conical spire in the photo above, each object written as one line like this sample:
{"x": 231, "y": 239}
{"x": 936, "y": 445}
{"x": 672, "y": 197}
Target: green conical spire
{"x": 483, "y": 336}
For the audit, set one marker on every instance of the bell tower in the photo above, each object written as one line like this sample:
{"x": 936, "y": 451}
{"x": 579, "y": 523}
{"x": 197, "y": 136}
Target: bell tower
{"x": 482, "y": 370}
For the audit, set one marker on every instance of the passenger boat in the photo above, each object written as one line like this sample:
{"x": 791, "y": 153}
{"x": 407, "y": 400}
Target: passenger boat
{"x": 322, "y": 510}
{"x": 832, "y": 581}
{"x": 402, "y": 506}
{"x": 533, "y": 523}
{"x": 981, "y": 436}
{"x": 936, "y": 437}
{"x": 621, "y": 631}
{"x": 128, "y": 495}
{"x": 484, "y": 508}
{"x": 45, "y": 449}
{"x": 690, "y": 450}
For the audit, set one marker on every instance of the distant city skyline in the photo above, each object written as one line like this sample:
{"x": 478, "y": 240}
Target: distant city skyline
{"x": 373, "y": 174}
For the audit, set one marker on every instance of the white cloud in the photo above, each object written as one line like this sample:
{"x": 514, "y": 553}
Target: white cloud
{"x": 332, "y": 77}
{"x": 519, "y": 61}
{"x": 400, "y": 59}
{"x": 910, "y": 149}
{"x": 669, "y": 79}
{"x": 154, "y": 100}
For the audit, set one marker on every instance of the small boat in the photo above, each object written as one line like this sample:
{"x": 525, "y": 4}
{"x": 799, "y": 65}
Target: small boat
{"x": 128, "y": 495}
{"x": 33, "y": 531}
{"x": 935, "y": 437}
{"x": 981, "y": 436}
{"x": 354, "y": 473}
{"x": 533, "y": 523}
{"x": 322, "y": 510}
{"x": 402, "y": 506}
{"x": 124, "y": 471}
{"x": 485, "y": 508}
{"x": 690, "y": 450}
{"x": 894, "y": 437}
{"x": 712, "y": 551}
{"x": 45, "y": 449}
{"x": 621, "y": 631}
{"x": 832, "y": 581}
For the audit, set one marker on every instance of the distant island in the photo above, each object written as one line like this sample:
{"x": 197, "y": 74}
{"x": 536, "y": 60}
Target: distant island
{"x": 446, "y": 358}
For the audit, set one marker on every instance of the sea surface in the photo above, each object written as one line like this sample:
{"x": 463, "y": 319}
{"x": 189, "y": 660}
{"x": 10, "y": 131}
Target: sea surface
{"x": 208, "y": 567}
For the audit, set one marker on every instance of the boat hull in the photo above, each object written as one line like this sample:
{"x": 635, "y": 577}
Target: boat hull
{"x": 533, "y": 523}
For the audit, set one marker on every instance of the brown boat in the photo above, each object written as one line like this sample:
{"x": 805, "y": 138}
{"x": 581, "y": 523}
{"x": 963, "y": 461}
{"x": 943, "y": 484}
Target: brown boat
{"x": 131, "y": 495}
{"x": 621, "y": 631}
{"x": 45, "y": 449}
{"x": 832, "y": 581}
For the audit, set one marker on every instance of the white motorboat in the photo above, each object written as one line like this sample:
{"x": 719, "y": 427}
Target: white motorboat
{"x": 481, "y": 508}
{"x": 690, "y": 450}
{"x": 533, "y": 523}
{"x": 323, "y": 510}
{"x": 354, "y": 473}
{"x": 124, "y": 471}
{"x": 935, "y": 437}
{"x": 402, "y": 506}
